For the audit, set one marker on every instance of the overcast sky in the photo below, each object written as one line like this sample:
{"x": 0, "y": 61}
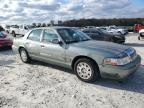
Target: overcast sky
{"x": 29, "y": 11}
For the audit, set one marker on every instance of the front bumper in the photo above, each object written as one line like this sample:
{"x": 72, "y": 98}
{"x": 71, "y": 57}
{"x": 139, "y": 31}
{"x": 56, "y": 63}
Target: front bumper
{"x": 120, "y": 72}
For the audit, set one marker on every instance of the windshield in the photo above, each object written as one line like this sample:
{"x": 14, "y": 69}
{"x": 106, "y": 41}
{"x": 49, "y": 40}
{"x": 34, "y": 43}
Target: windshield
{"x": 71, "y": 35}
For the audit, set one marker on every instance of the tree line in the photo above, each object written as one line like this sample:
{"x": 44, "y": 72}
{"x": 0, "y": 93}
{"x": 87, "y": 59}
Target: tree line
{"x": 130, "y": 22}
{"x": 103, "y": 22}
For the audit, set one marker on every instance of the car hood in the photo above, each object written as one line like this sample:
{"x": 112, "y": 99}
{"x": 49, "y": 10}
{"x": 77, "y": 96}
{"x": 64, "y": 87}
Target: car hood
{"x": 102, "y": 46}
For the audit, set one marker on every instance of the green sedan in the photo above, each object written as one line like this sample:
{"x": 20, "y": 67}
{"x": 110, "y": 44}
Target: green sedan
{"x": 71, "y": 48}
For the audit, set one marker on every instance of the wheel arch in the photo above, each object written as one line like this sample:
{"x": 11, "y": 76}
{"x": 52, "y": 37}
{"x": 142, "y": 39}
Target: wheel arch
{"x": 20, "y": 47}
{"x": 82, "y": 56}
{"x": 12, "y": 31}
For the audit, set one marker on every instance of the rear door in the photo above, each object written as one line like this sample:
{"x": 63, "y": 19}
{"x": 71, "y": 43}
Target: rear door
{"x": 32, "y": 42}
{"x": 96, "y": 35}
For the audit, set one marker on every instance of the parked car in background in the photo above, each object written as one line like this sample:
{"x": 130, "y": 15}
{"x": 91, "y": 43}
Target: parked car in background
{"x": 18, "y": 30}
{"x": 122, "y": 29}
{"x": 102, "y": 35}
{"x": 138, "y": 27}
{"x": 141, "y": 34}
{"x": 130, "y": 28}
{"x": 115, "y": 30}
{"x": 73, "y": 49}
{"x": 7, "y": 29}
{"x": 4, "y": 40}
{"x": 97, "y": 35}
{"x": 1, "y": 28}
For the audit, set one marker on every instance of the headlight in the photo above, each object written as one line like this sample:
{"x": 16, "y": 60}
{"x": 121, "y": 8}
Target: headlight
{"x": 117, "y": 61}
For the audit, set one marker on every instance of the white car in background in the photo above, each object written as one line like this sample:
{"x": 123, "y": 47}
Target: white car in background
{"x": 18, "y": 30}
{"x": 115, "y": 30}
{"x": 141, "y": 34}
{"x": 118, "y": 30}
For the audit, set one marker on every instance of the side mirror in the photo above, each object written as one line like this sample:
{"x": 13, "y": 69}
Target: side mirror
{"x": 56, "y": 41}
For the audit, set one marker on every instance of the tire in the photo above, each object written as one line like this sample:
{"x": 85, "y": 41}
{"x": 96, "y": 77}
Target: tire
{"x": 24, "y": 56}
{"x": 120, "y": 32}
{"x": 91, "y": 75}
{"x": 13, "y": 33}
{"x": 138, "y": 37}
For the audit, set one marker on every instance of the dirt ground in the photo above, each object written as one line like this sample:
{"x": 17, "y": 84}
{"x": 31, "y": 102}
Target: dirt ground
{"x": 40, "y": 85}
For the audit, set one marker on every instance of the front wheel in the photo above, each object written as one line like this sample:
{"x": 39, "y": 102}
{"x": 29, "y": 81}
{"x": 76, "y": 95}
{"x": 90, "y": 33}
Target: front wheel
{"x": 24, "y": 55}
{"x": 86, "y": 70}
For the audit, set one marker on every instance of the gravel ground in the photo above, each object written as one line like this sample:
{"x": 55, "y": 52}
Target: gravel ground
{"x": 40, "y": 85}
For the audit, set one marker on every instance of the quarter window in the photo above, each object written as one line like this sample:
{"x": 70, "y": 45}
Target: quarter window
{"x": 35, "y": 35}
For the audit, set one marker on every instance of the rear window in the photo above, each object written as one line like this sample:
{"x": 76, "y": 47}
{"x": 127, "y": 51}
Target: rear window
{"x": 35, "y": 35}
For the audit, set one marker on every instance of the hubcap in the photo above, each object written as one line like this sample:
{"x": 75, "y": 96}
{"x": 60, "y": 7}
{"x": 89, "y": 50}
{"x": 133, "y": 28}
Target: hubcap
{"x": 23, "y": 55}
{"x": 84, "y": 70}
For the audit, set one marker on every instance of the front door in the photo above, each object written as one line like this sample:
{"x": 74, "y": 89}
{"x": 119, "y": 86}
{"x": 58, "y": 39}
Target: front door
{"x": 53, "y": 53}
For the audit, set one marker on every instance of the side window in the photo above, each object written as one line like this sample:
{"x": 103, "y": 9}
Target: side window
{"x": 49, "y": 35}
{"x": 95, "y": 32}
{"x": 35, "y": 35}
{"x": 86, "y": 31}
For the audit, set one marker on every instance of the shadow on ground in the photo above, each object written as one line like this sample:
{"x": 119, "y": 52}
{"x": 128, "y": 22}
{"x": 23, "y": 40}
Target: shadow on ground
{"x": 135, "y": 44}
{"x": 6, "y": 62}
{"x": 34, "y": 62}
{"x": 134, "y": 83}
{"x": 6, "y": 51}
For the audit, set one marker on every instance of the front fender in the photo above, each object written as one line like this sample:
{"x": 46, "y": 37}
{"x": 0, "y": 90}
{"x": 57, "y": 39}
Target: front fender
{"x": 74, "y": 53}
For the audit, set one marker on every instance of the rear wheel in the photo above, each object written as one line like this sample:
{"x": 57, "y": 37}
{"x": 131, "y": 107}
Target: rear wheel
{"x": 86, "y": 70}
{"x": 138, "y": 37}
{"x": 24, "y": 55}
